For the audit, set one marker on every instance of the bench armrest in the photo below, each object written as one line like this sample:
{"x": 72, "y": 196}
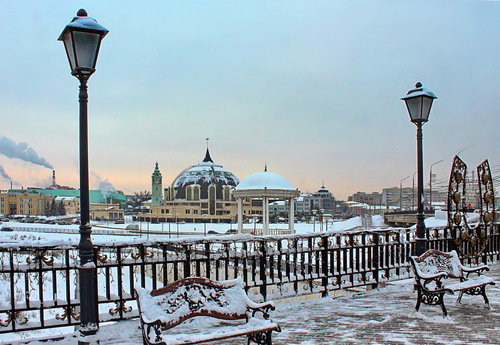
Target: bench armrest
{"x": 479, "y": 269}
{"x": 264, "y": 308}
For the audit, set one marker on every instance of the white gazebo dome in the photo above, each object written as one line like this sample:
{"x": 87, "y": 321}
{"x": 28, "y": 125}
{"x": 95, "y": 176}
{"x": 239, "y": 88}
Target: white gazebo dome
{"x": 265, "y": 180}
{"x": 266, "y": 186}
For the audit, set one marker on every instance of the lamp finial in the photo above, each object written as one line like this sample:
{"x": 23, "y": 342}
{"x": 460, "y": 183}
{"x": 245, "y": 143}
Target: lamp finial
{"x": 82, "y": 13}
{"x": 418, "y": 84}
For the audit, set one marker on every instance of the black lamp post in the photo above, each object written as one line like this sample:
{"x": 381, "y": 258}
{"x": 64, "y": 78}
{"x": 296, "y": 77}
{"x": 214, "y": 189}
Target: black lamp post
{"x": 82, "y": 39}
{"x": 419, "y": 103}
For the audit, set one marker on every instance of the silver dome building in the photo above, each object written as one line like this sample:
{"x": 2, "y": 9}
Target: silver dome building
{"x": 200, "y": 193}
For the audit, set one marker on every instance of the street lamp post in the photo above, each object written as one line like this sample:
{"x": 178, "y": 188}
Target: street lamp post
{"x": 314, "y": 220}
{"x": 413, "y": 193}
{"x": 327, "y": 218}
{"x": 401, "y": 193}
{"x": 205, "y": 223}
{"x": 82, "y": 39}
{"x": 431, "y": 177}
{"x": 321, "y": 219}
{"x": 168, "y": 220}
{"x": 419, "y": 102}
{"x": 177, "y": 223}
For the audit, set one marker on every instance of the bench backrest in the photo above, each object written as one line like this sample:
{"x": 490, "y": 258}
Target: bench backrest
{"x": 190, "y": 297}
{"x": 434, "y": 261}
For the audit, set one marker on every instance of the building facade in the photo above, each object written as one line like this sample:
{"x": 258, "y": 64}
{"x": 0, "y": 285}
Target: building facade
{"x": 200, "y": 193}
{"x": 106, "y": 212}
{"x": 373, "y": 199}
{"x": 24, "y": 203}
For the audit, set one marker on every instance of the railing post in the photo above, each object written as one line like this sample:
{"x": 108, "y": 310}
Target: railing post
{"x": 376, "y": 258}
{"x": 187, "y": 263}
{"x": 262, "y": 269}
{"x": 324, "y": 265}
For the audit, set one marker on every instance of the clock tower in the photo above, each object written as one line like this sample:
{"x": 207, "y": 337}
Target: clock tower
{"x": 157, "y": 194}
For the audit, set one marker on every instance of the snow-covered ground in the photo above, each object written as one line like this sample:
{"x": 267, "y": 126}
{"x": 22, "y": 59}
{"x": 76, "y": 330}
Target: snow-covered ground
{"x": 383, "y": 316}
{"x": 294, "y": 316}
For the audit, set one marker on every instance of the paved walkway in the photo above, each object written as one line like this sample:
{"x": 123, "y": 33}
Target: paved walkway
{"x": 382, "y": 316}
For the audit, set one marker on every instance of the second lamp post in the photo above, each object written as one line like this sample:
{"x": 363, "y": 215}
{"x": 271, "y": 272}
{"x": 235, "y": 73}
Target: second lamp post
{"x": 419, "y": 102}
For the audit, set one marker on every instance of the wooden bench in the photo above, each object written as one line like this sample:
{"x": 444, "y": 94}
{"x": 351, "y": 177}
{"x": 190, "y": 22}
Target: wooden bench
{"x": 433, "y": 266}
{"x": 197, "y": 310}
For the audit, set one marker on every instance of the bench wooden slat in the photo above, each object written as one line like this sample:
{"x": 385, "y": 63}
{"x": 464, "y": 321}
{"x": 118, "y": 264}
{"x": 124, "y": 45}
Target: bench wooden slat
{"x": 219, "y": 333}
{"x": 471, "y": 284}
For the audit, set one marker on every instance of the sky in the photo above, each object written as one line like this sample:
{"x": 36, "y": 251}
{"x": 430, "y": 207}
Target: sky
{"x": 312, "y": 88}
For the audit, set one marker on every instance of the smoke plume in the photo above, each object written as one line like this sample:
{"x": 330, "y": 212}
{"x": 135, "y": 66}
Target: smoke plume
{"x": 103, "y": 185}
{"x": 21, "y": 151}
{"x": 6, "y": 176}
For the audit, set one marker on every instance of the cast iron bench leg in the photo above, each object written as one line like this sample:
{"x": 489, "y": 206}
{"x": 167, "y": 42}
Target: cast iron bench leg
{"x": 441, "y": 303}
{"x": 486, "y": 300}
{"x": 419, "y": 297}
{"x": 264, "y": 338}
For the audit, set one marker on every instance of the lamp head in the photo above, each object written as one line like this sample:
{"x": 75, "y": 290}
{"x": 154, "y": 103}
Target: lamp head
{"x": 82, "y": 40}
{"x": 419, "y": 102}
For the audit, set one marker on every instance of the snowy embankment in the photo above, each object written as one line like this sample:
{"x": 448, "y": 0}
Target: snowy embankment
{"x": 114, "y": 234}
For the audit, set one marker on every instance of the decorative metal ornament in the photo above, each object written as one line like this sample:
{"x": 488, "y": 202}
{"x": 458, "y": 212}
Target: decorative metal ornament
{"x": 470, "y": 241}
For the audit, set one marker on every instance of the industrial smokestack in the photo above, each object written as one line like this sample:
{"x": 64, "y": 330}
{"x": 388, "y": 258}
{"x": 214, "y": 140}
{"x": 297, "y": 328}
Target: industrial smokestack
{"x": 53, "y": 178}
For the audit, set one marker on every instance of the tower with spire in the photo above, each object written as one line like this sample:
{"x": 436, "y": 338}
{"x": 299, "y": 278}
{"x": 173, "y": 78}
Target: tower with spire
{"x": 156, "y": 187}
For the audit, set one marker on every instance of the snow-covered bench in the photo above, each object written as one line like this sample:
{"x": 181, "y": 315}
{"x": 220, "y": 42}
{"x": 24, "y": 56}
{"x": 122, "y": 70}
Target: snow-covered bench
{"x": 433, "y": 266}
{"x": 197, "y": 310}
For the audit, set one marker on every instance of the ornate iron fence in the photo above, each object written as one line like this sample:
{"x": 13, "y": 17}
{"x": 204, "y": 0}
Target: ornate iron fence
{"x": 38, "y": 285}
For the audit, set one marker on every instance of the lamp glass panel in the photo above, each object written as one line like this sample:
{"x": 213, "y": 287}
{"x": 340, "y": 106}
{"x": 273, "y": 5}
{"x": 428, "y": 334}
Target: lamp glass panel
{"x": 86, "y": 45}
{"x": 426, "y": 107}
{"x": 414, "y": 106}
{"x": 70, "y": 51}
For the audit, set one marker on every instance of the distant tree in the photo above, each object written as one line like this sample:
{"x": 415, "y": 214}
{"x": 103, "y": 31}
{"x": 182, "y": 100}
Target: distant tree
{"x": 139, "y": 198}
{"x": 61, "y": 211}
{"x": 53, "y": 208}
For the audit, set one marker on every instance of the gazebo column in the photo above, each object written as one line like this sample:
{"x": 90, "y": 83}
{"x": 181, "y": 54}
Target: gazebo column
{"x": 291, "y": 214}
{"x": 240, "y": 215}
{"x": 265, "y": 215}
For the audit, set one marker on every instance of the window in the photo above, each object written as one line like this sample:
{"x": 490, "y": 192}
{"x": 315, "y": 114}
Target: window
{"x": 196, "y": 193}
{"x": 188, "y": 211}
{"x": 211, "y": 199}
{"x": 189, "y": 192}
{"x": 227, "y": 193}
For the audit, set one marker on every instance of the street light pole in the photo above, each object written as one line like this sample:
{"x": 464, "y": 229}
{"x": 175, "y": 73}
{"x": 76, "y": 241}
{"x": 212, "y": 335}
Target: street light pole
{"x": 401, "y": 193}
{"x": 82, "y": 39}
{"x": 430, "y": 184}
{"x": 413, "y": 193}
{"x": 418, "y": 103}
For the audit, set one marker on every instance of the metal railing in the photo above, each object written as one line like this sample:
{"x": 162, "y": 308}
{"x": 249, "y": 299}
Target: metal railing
{"x": 38, "y": 285}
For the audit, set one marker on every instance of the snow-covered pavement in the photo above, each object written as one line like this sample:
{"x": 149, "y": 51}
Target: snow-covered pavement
{"x": 382, "y": 316}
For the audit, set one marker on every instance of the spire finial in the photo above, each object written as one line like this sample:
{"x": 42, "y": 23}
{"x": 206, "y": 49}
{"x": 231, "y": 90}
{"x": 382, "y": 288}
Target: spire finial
{"x": 265, "y": 167}
{"x": 207, "y": 155}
